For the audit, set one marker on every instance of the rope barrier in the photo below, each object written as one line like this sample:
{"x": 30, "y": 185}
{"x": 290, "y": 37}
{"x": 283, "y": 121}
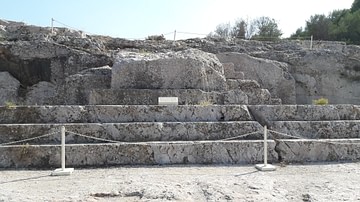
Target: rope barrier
{"x": 321, "y": 140}
{"x": 191, "y": 33}
{"x": 28, "y": 139}
{"x": 95, "y": 138}
{"x": 74, "y": 28}
{"x": 284, "y": 134}
{"x": 240, "y": 136}
{"x": 194, "y": 142}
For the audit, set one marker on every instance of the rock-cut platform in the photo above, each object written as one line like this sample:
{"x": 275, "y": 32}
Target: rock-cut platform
{"x": 184, "y": 134}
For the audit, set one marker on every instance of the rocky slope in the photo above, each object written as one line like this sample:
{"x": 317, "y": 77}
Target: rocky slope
{"x": 38, "y": 66}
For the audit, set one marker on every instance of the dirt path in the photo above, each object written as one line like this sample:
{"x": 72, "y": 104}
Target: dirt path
{"x": 315, "y": 182}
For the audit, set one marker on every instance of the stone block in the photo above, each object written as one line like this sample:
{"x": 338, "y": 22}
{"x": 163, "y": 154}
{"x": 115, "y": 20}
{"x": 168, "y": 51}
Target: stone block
{"x": 270, "y": 74}
{"x": 190, "y": 69}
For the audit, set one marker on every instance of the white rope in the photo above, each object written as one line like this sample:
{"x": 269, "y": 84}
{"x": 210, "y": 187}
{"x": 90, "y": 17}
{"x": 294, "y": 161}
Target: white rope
{"x": 193, "y": 142}
{"x": 28, "y": 139}
{"x": 284, "y": 134}
{"x": 334, "y": 141}
{"x": 113, "y": 141}
{"x": 91, "y": 137}
{"x": 240, "y": 136}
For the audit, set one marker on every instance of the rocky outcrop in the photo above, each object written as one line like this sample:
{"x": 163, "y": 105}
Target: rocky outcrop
{"x": 77, "y": 87}
{"x": 190, "y": 69}
{"x": 34, "y": 54}
{"x": 42, "y": 93}
{"x": 9, "y": 87}
{"x": 42, "y": 61}
{"x": 326, "y": 74}
{"x": 271, "y": 75}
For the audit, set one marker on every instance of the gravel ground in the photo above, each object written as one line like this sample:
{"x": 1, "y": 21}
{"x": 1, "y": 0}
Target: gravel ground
{"x": 313, "y": 182}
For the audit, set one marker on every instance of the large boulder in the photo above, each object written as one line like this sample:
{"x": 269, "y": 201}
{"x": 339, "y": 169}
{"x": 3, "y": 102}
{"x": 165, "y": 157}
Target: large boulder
{"x": 189, "y": 69}
{"x": 270, "y": 74}
{"x": 42, "y": 93}
{"x": 328, "y": 74}
{"x": 9, "y": 87}
{"x": 77, "y": 87}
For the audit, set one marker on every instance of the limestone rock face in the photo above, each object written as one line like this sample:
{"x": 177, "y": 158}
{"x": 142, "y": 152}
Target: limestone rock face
{"x": 41, "y": 60}
{"x": 9, "y": 87}
{"x": 190, "y": 69}
{"x": 328, "y": 74}
{"x": 271, "y": 75}
{"x": 77, "y": 87}
{"x": 41, "y": 93}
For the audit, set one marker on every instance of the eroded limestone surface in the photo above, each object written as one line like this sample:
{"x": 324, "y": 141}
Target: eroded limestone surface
{"x": 130, "y": 132}
{"x": 208, "y": 152}
{"x": 319, "y": 150}
{"x": 190, "y": 69}
{"x": 123, "y": 113}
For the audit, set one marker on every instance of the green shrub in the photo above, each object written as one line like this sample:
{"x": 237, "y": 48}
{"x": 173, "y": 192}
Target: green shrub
{"x": 10, "y": 105}
{"x": 321, "y": 101}
{"x": 205, "y": 103}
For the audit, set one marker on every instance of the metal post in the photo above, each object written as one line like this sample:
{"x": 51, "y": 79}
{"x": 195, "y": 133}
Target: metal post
{"x": 311, "y": 42}
{"x": 174, "y": 34}
{"x": 265, "y": 145}
{"x": 52, "y": 25}
{"x": 62, "y": 170}
{"x": 63, "y": 147}
{"x": 265, "y": 166}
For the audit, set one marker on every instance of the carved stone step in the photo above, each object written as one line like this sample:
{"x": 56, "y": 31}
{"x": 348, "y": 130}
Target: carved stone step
{"x": 150, "y": 97}
{"x": 146, "y": 153}
{"x": 308, "y": 112}
{"x": 130, "y": 132}
{"x": 319, "y": 129}
{"x": 202, "y": 152}
{"x": 123, "y": 113}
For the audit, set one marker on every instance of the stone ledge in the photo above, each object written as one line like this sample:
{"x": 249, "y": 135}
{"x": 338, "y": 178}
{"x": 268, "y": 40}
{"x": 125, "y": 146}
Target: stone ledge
{"x": 122, "y": 113}
{"x": 201, "y": 152}
{"x": 309, "y": 112}
{"x": 299, "y": 151}
{"x": 319, "y": 129}
{"x": 130, "y": 132}
{"x": 98, "y": 155}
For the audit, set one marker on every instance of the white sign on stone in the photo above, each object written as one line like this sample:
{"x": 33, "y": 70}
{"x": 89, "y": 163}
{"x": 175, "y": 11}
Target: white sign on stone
{"x": 168, "y": 101}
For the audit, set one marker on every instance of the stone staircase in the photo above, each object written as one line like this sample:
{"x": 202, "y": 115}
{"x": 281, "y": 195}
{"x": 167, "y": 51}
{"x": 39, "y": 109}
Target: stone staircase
{"x": 251, "y": 88}
{"x": 183, "y": 134}
{"x": 124, "y": 125}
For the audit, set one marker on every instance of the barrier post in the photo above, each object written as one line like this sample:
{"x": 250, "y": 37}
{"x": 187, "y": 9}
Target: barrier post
{"x": 311, "y": 42}
{"x": 52, "y": 25}
{"x": 265, "y": 166}
{"x": 174, "y": 34}
{"x": 62, "y": 170}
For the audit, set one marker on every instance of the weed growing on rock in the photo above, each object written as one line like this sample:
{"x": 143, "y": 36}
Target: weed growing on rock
{"x": 10, "y": 105}
{"x": 321, "y": 101}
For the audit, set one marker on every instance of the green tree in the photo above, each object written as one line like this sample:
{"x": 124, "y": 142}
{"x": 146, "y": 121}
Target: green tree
{"x": 300, "y": 33}
{"x": 222, "y": 30}
{"x": 339, "y": 25}
{"x": 355, "y": 6}
{"x": 318, "y": 26}
{"x": 239, "y": 30}
{"x": 266, "y": 29}
{"x": 263, "y": 28}
{"x": 349, "y": 28}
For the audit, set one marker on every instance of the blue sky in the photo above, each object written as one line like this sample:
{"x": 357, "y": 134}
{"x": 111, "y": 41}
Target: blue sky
{"x": 141, "y": 18}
